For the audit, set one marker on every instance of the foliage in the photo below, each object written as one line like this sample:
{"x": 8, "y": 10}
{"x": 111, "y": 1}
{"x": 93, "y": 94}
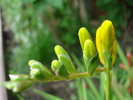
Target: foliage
{"x": 119, "y": 12}
{"x": 31, "y": 36}
{"x": 46, "y": 95}
{"x": 37, "y": 25}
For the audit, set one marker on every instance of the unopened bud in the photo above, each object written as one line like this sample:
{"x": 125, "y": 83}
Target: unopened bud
{"x": 106, "y": 43}
{"x": 83, "y": 36}
{"x": 89, "y": 49}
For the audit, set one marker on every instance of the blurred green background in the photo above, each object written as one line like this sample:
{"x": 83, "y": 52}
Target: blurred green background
{"x": 31, "y": 29}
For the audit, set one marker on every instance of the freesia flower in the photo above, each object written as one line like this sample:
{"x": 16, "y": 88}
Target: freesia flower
{"x": 105, "y": 41}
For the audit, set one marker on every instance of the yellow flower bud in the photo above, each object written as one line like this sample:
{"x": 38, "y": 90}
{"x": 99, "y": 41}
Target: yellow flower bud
{"x": 98, "y": 45}
{"x": 83, "y": 35}
{"x": 89, "y": 49}
{"x": 107, "y": 35}
{"x": 114, "y": 52}
{"x": 105, "y": 41}
{"x": 55, "y": 64}
{"x": 59, "y": 50}
{"x": 37, "y": 65}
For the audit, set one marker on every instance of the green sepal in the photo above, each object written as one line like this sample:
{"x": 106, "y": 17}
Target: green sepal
{"x": 9, "y": 84}
{"x": 62, "y": 72}
{"x": 22, "y": 85}
{"x": 85, "y": 59}
{"x": 38, "y": 74}
{"x": 19, "y": 77}
{"x": 108, "y": 59}
{"x": 66, "y": 61}
{"x": 59, "y": 69}
{"x": 17, "y": 86}
{"x": 37, "y": 65}
{"x": 91, "y": 64}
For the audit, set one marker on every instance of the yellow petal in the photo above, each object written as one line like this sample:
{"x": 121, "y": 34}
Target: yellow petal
{"x": 107, "y": 35}
{"x": 114, "y": 52}
{"x": 98, "y": 45}
{"x": 98, "y": 42}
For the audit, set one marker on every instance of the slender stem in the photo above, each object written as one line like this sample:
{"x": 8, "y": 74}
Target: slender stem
{"x": 72, "y": 76}
{"x": 99, "y": 70}
{"x": 108, "y": 85}
{"x": 76, "y": 75}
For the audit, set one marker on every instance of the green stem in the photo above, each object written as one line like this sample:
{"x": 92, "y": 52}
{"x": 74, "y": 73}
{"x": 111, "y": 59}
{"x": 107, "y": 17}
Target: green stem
{"x": 72, "y": 76}
{"x": 76, "y": 75}
{"x": 108, "y": 85}
{"x": 99, "y": 70}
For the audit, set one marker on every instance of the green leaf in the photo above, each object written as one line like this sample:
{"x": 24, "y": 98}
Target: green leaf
{"x": 78, "y": 63}
{"x": 93, "y": 88}
{"x": 84, "y": 90}
{"x": 79, "y": 88}
{"x": 46, "y": 95}
{"x": 20, "y": 97}
{"x": 124, "y": 59}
